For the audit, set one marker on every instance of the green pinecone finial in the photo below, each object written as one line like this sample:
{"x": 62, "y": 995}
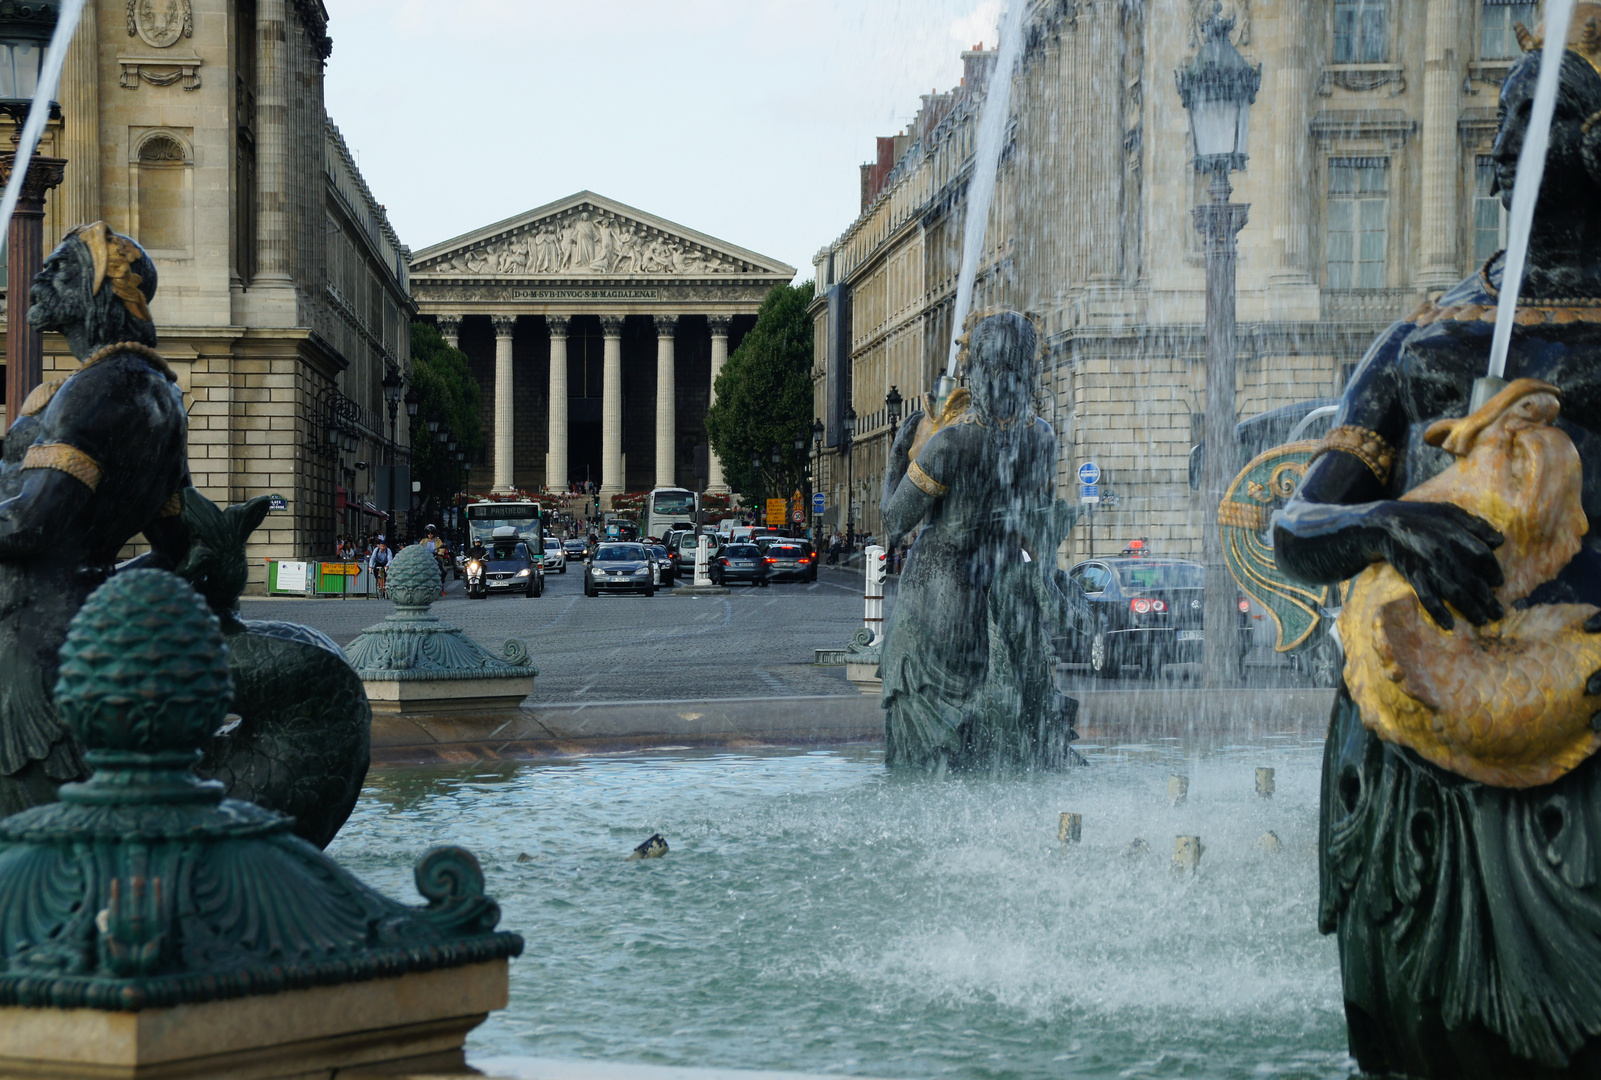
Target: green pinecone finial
{"x": 414, "y": 577}
{"x": 144, "y": 668}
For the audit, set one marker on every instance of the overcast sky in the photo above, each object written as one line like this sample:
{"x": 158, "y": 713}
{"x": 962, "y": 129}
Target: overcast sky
{"x": 744, "y": 119}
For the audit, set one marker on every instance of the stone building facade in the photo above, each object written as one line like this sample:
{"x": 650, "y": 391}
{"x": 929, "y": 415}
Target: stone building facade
{"x": 197, "y": 127}
{"x": 595, "y": 331}
{"x": 1368, "y": 187}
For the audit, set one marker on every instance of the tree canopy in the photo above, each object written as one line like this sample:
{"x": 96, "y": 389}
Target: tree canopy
{"x": 448, "y": 393}
{"x": 764, "y": 396}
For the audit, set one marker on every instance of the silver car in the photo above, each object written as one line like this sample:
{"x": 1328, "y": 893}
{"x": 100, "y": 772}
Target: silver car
{"x": 555, "y": 557}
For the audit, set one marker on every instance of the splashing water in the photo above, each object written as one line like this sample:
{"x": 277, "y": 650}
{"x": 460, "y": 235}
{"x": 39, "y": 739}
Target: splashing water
{"x": 39, "y": 110}
{"x": 1531, "y": 170}
{"x": 986, "y": 164}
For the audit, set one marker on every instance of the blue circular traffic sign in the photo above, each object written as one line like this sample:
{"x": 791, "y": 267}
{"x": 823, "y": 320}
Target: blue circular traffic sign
{"x": 1089, "y": 473}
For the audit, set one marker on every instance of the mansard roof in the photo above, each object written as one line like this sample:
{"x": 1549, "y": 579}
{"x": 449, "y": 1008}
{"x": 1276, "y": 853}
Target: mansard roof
{"x": 587, "y": 236}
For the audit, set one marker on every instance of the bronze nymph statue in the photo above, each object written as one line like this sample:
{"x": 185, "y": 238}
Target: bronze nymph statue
{"x": 1460, "y": 841}
{"x": 92, "y": 460}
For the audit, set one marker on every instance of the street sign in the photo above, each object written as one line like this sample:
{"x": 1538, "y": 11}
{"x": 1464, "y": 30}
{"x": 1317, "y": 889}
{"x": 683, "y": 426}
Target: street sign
{"x": 1089, "y": 473}
{"x": 797, "y": 516}
{"x": 817, "y": 503}
{"x": 1089, "y": 493}
{"x": 277, "y": 502}
{"x": 775, "y": 511}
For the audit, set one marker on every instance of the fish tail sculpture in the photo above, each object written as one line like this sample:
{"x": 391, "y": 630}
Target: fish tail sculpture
{"x": 1503, "y": 703}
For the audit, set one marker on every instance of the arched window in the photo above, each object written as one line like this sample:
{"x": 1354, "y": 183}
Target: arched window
{"x": 164, "y": 207}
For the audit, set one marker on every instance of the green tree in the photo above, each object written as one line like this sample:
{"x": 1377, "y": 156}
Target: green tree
{"x": 764, "y": 397}
{"x": 448, "y": 393}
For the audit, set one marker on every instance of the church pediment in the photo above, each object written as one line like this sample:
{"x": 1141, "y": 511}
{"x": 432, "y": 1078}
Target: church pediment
{"x": 589, "y": 236}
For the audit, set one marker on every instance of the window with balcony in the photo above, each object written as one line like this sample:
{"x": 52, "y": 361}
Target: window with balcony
{"x": 1361, "y": 31}
{"x": 1358, "y": 223}
{"x": 1498, "y": 20}
{"x": 1489, "y": 216}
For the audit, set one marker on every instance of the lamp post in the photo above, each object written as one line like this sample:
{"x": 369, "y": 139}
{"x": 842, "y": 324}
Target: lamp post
{"x": 413, "y": 403}
{"x": 393, "y": 384}
{"x": 892, "y": 407}
{"x": 817, "y": 478}
{"x": 25, "y": 31}
{"x": 1217, "y": 88}
{"x": 846, "y": 437}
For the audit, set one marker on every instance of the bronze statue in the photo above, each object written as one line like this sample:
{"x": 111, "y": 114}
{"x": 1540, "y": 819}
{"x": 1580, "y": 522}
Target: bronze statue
{"x": 1460, "y": 848}
{"x": 966, "y": 660}
{"x": 92, "y": 460}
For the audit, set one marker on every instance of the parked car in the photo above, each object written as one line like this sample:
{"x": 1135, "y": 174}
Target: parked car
{"x": 507, "y": 566}
{"x": 619, "y": 567}
{"x": 575, "y": 549}
{"x": 555, "y": 555}
{"x": 739, "y": 562}
{"x": 787, "y": 560}
{"x": 665, "y": 570}
{"x": 1147, "y": 612}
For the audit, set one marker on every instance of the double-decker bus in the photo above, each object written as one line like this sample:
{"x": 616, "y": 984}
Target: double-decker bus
{"x": 666, "y": 507}
{"x": 483, "y": 518}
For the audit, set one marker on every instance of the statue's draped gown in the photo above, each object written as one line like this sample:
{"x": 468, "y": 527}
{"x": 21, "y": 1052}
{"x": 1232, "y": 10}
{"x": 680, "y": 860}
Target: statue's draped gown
{"x": 60, "y": 539}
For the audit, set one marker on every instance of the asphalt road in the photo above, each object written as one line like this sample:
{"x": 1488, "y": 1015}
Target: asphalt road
{"x": 751, "y": 642}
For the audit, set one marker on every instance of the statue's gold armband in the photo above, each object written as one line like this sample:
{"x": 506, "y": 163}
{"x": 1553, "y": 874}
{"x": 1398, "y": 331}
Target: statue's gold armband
{"x": 64, "y": 458}
{"x": 1369, "y": 447}
{"x": 926, "y": 483}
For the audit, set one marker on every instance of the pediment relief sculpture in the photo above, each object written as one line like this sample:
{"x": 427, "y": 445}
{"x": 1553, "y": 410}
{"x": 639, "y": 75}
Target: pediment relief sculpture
{"x": 161, "y": 22}
{"x": 586, "y": 241}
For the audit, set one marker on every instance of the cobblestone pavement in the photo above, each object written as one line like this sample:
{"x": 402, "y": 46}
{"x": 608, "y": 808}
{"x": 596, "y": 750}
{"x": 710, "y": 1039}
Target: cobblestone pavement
{"x": 750, "y": 643}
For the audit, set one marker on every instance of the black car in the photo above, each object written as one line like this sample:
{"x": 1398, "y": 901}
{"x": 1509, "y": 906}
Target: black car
{"x": 788, "y": 560}
{"x": 666, "y": 566}
{"x": 576, "y": 549}
{"x": 739, "y": 562}
{"x": 1146, "y": 613}
{"x": 508, "y": 566}
{"x": 619, "y": 567}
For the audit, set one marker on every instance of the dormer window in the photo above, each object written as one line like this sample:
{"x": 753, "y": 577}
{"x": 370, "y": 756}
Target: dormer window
{"x": 1498, "y": 19}
{"x": 1361, "y": 31}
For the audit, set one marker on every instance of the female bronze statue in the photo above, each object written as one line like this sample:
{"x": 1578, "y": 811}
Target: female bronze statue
{"x": 966, "y": 660}
{"x": 1466, "y": 892}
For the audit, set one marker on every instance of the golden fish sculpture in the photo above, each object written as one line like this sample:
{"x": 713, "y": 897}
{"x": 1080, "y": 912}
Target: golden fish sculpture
{"x": 1503, "y": 703}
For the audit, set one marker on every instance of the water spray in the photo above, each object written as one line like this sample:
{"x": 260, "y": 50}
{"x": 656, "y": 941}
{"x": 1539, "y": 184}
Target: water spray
{"x": 981, "y": 188}
{"x": 1525, "y": 189}
{"x": 39, "y": 111}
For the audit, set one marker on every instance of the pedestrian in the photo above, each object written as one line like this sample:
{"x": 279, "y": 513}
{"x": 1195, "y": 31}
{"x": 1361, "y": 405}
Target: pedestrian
{"x": 834, "y": 543}
{"x": 378, "y": 566}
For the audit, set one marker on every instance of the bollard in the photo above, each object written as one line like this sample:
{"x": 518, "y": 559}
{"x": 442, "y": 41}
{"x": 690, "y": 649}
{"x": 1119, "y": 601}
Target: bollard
{"x": 1269, "y": 841}
{"x": 1187, "y": 852}
{"x": 1178, "y": 789}
{"x": 703, "y": 558}
{"x": 875, "y": 569}
{"x": 1264, "y": 782}
{"x": 1069, "y": 828}
{"x": 1136, "y": 848}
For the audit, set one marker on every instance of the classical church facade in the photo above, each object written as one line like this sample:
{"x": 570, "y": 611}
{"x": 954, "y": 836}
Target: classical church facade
{"x": 595, "y": 331}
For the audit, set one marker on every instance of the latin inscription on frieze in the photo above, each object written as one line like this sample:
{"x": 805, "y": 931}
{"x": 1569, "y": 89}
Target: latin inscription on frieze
{"x": 585, "y": 294}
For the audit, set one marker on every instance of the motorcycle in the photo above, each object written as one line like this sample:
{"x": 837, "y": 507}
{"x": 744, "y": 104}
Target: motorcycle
{"x": 476, "y": 587}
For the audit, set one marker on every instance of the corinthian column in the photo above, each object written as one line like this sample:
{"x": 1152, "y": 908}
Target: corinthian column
{"x": 80, "y": 107}
{"x": 666, "y": 402}
{"x": 505, "y": 442}
{"x": 714, "y": 464}
{"x": 1437, "y": 267}
{"x": 450, "y": 330}
{"x": 611, "y": 409}
{"x": 272, "y": 145}
{"x": 556, "y": 451}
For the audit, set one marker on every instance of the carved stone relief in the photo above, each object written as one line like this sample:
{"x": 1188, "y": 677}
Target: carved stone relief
{"x": 1238, "y": 10}
{"x": 587, "y": 241}
{"x": 161, "y": 22}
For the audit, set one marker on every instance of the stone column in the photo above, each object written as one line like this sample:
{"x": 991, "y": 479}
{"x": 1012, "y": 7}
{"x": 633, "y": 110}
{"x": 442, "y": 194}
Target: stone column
{"x": 556, "y": 451}
{"x": 80, "y": 127}
{"x": 1290, "y": 91}
{"x": 272, "y": 145}
{"x": 1437, "y": 265}
{"x": 611, "y": 411}
{"x": 25, "y": 251}
{"x": 666, "y": 402}
{"x": 714, "y": 465}
{"x": 450, "y": 330}
{"x": 504, "y": 414}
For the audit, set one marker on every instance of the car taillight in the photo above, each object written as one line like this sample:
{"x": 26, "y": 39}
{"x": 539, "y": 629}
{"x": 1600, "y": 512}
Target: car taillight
{"x": 724, "y": 562}
{"x": 1245, "y": 605}
{"x": 1159, "y": 606}
{"x": 769, "y": 560}
{"x": 804, "y": 560}
{"x": 1140, "y": 606}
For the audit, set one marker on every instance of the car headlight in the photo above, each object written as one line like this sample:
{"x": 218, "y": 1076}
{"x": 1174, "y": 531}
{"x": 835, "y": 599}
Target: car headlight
{"x": 524, "y": 572}
{"x": 642, "y": 570}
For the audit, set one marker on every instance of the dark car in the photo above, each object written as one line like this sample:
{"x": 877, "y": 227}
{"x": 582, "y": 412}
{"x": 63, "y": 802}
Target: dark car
{"x": 739, "y": 562}
{"x": 509, "y": 566}
{"x": 1146, "y": 613}
{"x": 576, "y": 549}
{"x": 666, "y": 566}
{"x": 788, "y": 560}
{"x": 619, "y": 567}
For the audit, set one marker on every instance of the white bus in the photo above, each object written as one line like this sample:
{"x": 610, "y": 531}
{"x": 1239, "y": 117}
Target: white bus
{"x": 666, "y": 507}
{"x": 483, "y": 518}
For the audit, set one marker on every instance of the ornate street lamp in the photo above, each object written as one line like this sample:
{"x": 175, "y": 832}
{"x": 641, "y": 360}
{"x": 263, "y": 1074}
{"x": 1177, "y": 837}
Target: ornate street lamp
{"x": 393, "y": 385}
{"x": 413, "y": 400}
{"x": 1217, "y": 88}
{"x": 846, "y": 438}
{"x": 892, "y": 406}
{"x": 25, "y": 30}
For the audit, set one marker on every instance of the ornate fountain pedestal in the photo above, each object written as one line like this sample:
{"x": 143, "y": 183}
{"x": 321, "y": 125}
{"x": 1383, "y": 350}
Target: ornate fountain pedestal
{"x": 412, "y": 664}
{"x": 158, "y": 929}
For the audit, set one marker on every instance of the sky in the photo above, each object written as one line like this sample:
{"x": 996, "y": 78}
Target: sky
{"x": 743, "y": 119}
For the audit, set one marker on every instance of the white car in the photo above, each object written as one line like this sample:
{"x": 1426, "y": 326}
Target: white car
{"x": 555, "y": 556}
